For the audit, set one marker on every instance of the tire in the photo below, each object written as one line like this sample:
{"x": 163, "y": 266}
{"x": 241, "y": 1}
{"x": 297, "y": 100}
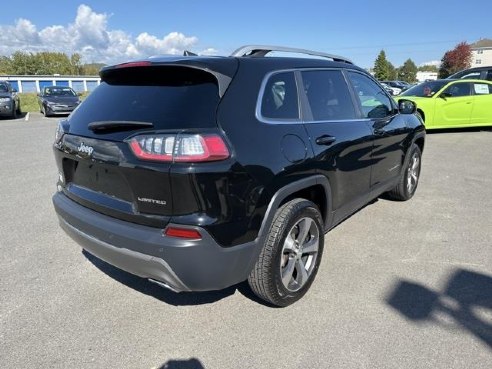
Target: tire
{"x": 19, "y": 111}
{"x": 44, "y": 112}
{"x": 409, "y": 178}
{"x": 293, "y": 250}
{"x": 14, "y": 112}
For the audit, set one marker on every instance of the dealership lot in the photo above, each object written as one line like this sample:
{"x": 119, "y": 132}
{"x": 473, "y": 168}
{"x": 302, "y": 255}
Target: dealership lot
{"x": 401, "y": 285}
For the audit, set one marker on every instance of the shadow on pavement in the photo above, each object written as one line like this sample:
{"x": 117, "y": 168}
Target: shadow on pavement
{"x": 460, "y": 130}
{"x": 19, "y": 117}
{"x": 182, "y": 364}
{"x": 465, "y": 293}
{"x": 162, "y": 294}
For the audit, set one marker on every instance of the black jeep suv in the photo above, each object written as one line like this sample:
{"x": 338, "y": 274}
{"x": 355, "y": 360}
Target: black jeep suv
{"x": 201, "y": 172}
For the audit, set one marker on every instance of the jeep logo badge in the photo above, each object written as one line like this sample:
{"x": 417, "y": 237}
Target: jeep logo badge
{"x": 85, "y": 148}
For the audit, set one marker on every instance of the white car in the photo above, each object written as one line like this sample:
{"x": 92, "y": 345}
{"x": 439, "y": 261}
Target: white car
{"x": 393, "y": 90}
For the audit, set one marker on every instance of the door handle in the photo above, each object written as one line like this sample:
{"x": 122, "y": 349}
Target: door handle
{"x": 325, "y": 140}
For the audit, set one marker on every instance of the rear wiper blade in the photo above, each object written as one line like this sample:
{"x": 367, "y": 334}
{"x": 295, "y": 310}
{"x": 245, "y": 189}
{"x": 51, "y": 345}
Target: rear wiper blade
{"x": 118, "y": 125}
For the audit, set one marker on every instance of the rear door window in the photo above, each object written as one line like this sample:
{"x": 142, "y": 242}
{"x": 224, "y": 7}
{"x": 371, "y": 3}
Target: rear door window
{"x": 458, "y": 89}
{"x": 482, "y": 89}
{"x": 328, "y": 95}
{"x": 280, "y": 99}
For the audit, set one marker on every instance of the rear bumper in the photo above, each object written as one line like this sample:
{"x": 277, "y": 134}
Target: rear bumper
{"x": 182, "y": 265}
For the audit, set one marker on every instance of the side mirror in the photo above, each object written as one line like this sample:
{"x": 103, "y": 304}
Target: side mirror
{"x": 406, "y": 106}
{"x": 14, "y": 90}
{"x": 445, "y": 95}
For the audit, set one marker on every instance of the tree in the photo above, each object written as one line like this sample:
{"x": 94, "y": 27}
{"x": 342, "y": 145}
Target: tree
{"x": 408, "y": 71}
{"x": 92, "y": 69}
{"x": 455, "y": 60}
{"x": 5, "y": 65}
{"x": 43, "y": 63}
{"x": 428, "y": 68}
{"x": 382, "y": 67}
{"x": 392, "y": 72}
{"x": 75, "y": 64}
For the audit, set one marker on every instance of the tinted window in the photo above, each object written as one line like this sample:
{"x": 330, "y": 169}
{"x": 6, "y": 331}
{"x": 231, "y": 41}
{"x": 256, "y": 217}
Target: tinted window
{"x": 472, "y": 75}
{"x": 280, "y": 99}
{"x": 328, "y": 95}
{"x": 458, "y": 89}
{"x": 59, "y": 91}
{"x": 374, "y": 102}
{"x": 168, "y": 97}
{"x": 425, "y": 89}
{"x": 489, "y": 75}
{"x": 4, "y": 87}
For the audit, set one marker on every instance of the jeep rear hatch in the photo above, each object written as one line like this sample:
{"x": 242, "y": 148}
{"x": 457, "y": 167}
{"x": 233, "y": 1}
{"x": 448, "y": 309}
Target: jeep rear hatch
{"x": 119, "y": 145}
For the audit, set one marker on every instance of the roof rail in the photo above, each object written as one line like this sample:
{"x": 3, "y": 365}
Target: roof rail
{"x": 262, "y": 50}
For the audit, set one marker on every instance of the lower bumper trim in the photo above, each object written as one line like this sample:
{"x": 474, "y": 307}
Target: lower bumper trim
{"x": 142, "y": 265}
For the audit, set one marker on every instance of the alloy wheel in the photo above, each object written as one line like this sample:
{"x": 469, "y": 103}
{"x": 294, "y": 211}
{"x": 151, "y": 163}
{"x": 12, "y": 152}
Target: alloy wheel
{"x": 413, "y": 173}
{"x": 299, "y": 254}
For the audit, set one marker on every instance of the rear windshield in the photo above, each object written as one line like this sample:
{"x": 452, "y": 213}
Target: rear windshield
{"x": 168, "y": 97}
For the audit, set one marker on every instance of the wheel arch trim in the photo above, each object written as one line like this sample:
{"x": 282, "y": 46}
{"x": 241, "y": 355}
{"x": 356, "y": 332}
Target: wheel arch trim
{"x": 290, "y": 189}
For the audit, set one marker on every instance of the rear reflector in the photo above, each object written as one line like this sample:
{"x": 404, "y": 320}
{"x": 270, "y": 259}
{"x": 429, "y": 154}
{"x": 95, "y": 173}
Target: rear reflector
{"x": 189, "y": 234}
{"x": 179, "y": 148}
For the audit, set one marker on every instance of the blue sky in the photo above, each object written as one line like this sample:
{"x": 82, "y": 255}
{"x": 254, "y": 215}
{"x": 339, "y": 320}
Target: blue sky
{"x": 113, "y": 31}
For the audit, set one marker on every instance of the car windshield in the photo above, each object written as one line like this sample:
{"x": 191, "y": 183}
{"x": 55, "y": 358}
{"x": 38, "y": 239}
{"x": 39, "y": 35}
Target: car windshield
{"x": 59, "y": 92}
{"x": 3, "y": 87}
{"x": 425, "y": 89}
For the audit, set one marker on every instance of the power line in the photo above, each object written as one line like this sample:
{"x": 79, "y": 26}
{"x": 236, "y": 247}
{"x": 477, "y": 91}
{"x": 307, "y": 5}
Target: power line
{"x": 395, "y": 45}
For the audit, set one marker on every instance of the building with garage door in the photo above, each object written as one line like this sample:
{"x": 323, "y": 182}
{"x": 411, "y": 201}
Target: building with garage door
{"x": 35, "y": 84}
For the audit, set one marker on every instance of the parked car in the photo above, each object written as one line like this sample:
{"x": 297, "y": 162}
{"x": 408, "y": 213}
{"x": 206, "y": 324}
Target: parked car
{"x": 388, "y": 89}
{"x": 474, "y": 73}
{"x": 198, "y": 173}
{"x": 9, "y": 101}
{"x": 453, "y": 103}
{"x": 397, "y": 88}
{"x": 56, "y": 100}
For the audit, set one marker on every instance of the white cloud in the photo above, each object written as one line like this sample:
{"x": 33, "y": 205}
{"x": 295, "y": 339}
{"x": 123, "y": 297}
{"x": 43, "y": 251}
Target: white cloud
{"x": 210, "y": 51}
{"x": 90, "y": 36}
{"x": 21, "y": 34}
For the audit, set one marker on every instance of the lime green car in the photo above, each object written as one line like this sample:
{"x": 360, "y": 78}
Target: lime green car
{"x": 452, "y": 103}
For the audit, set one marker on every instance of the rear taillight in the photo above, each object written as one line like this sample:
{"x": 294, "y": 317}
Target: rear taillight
{"x": 189, "y": 234}
{"x": 179, "y": 148}
{"x": 60, "y": 131}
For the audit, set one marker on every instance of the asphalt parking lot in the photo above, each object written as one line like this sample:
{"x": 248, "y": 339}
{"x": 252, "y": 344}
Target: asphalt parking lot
{"x": 401, "y": 285}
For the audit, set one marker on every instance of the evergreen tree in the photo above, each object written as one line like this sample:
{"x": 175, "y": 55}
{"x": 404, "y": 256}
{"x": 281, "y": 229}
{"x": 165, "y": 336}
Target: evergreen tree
{"x": 428, "y": 68}
{"x": 382, "y": 68}
{"x": 408, "y": 71}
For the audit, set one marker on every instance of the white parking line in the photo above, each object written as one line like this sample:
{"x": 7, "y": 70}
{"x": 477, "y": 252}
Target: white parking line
{"x": 27, "y": 117}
